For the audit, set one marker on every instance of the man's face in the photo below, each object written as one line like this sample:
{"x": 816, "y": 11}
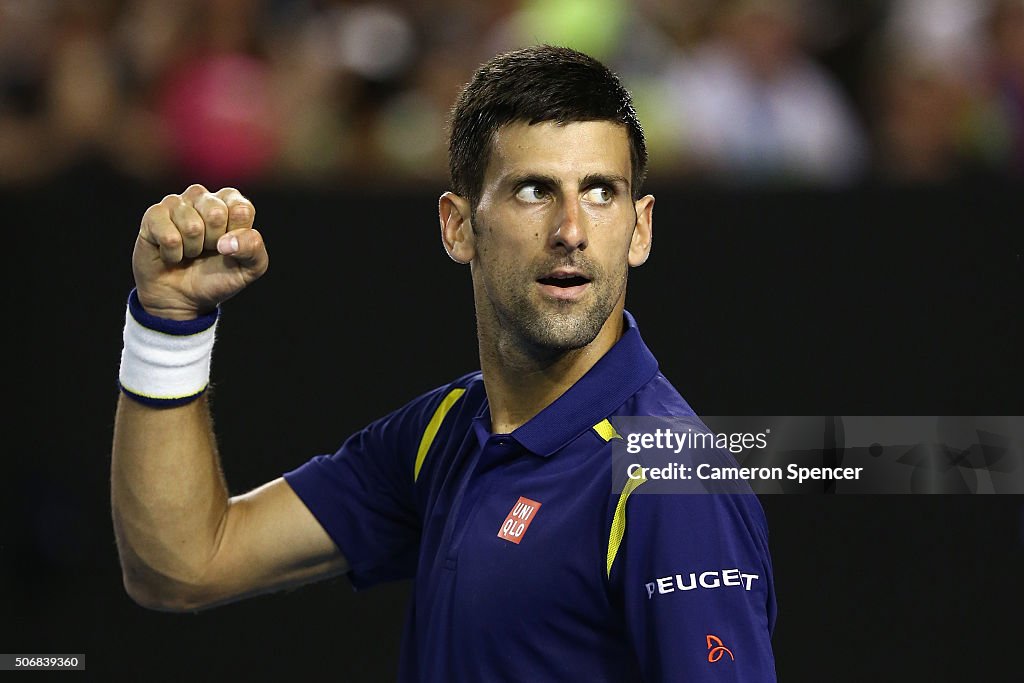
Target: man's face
{"x": 554, "y": 231}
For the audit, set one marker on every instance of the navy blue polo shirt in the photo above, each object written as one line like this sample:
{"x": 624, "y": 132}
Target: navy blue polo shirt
{"x": 526, "y": 565}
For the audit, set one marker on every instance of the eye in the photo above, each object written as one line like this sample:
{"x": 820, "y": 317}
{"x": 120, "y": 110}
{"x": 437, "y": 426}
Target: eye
{"x": 599, "y": 194}
{"x": 532, "y": 193}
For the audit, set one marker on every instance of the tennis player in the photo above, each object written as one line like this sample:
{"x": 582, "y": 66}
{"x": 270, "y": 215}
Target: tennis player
{"x": 493, "y": 492}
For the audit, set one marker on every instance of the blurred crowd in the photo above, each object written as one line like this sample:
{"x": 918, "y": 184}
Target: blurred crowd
{"x": 307, "y": 92}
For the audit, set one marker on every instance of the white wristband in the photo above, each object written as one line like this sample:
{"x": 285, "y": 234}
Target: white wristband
{"x": 165, "y": 362}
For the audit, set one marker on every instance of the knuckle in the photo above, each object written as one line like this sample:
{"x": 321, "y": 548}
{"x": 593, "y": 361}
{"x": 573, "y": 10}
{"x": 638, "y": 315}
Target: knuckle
{"x": 170, "y": 200}
{"x": 150, "y": 215}
{"x": 241, "y": 212}
{"x": 216, "y": 216}
{"x": 195, "y": 188}
{"x": 171, "y": 240}
{"x": 192, "y": 229}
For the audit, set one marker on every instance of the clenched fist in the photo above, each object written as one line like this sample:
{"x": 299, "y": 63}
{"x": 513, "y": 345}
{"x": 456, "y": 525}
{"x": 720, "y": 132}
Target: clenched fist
{"x": 196, "y": 250}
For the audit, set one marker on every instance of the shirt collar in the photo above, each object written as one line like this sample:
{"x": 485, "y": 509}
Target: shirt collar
{"x": 616, "y": 376}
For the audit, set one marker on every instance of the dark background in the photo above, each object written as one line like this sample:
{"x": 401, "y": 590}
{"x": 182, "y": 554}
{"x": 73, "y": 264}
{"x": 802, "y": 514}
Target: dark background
{"x": 871, "y": 301}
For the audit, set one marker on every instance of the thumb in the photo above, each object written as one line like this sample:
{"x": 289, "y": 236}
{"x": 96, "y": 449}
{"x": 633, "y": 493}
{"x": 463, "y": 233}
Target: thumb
{"x": 245, "y": 246}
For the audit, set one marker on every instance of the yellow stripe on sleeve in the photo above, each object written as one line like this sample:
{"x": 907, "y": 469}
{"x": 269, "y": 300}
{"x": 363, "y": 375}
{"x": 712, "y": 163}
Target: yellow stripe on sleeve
{"x": 619, "y": 521}
{"x": 606, "y": 431}
{"x": 433, "y": 426}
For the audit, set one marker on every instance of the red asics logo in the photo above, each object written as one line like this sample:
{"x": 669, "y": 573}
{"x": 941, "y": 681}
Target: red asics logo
{"x": 716, "y": 649}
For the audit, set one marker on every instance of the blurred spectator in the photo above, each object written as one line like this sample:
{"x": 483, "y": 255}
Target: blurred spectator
{"x": 218, "y": 112}
{"x": 216, "y": 103}
{"x": 325, "y": 91}
{"x": 929, "y": 116}
{"x": 1005, "y": 78}
{"x": 82, "y": 86}
{"x": 25, "y": 44}
{"x": 752, "y": 106}
{"x": 922, "y": 114}
{"x": 410, "y": 129}
{"x": 685, "y": 22}
{"x": 313, "y": 100}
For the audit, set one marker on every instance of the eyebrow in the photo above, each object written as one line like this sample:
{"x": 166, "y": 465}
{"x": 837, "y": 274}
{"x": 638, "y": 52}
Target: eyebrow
{"x": 516, "y": 179}
{"x": 589, "y": 180}
{"x": 604, "y": 179}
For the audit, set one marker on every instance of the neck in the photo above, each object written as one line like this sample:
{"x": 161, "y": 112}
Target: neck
{"x": 521, "y": 380}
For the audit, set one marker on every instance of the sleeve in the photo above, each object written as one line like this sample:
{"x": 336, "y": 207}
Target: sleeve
{"x": 696, "y": 582}
{"x": 364, "y": 497}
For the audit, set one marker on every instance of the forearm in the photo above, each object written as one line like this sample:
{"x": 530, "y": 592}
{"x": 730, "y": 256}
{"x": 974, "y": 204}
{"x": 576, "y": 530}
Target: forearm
{"x": 183, "y": 543}
{"x": 168, "y": 497}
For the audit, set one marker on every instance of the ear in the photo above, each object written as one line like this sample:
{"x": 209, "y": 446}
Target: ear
{"x": 456, "y": 227}
{"x": 640, "y": 244}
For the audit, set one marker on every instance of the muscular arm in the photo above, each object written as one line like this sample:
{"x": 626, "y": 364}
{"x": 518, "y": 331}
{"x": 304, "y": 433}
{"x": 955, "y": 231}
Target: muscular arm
{"x": 183, "y": 543}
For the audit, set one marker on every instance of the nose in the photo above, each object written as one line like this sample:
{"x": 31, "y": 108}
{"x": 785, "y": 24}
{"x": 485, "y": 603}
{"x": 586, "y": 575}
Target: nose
{"x": 570, "y": 232}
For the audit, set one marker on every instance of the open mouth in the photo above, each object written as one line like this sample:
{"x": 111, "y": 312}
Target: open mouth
{"x": 564, "y": 284}
{"x": 564, "y": 281}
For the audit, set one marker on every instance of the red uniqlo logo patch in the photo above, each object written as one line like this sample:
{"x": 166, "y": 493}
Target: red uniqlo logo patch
{"x": 518, "y": 521}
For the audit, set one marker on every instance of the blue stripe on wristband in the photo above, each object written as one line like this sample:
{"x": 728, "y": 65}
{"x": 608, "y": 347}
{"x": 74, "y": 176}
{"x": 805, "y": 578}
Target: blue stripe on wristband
{"x": 167, "y": 326}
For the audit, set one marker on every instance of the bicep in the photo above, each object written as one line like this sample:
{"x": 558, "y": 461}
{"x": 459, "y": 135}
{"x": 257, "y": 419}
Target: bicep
{"x": 269, "y": 540}
{"x": 361, "y": 498}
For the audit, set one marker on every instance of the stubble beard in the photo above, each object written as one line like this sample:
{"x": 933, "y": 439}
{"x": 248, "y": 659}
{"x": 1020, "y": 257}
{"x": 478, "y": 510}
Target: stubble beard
{"x": 546, "y": 326}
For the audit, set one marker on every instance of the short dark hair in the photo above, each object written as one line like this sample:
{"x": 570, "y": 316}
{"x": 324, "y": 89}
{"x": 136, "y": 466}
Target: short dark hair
{"x": 536, "y": 84}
